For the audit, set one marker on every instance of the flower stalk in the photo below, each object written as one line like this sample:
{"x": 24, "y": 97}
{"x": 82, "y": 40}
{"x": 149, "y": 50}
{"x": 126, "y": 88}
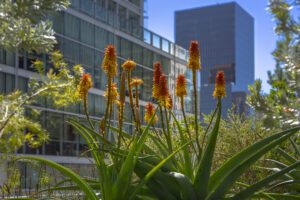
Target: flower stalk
{"x": 194, "y": 64}
{"x": 84, "y": 85}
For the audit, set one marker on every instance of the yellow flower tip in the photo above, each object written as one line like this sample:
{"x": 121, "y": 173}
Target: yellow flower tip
{"x": 220, "y": 85}
{"x": 156, "y": 76}
{"x": 149, "y": 112}
{"x": 129, "y": 65}
{"x": 84, "y": 85}
{"x": 163, "y": 89}
{"x": 194, "y": 59}
{"x": 181, "y": 89}
{"x": 109, "y": 64}
{"x": 169, "y": 104}
{"x": 113, "y": 93}
{"x": 136, "y": 82}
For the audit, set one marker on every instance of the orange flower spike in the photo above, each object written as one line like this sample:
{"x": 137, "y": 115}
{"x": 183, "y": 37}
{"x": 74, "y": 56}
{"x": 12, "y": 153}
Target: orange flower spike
{"x": 113, "y": 93}
{"x": 129, "y": 65}
{"x": 109, "y": 64}
{"x": 136, "y": 82}
{"x": 194, "y": 59}
{"x": 149, "y": 111}
{"x": 156, "y": 76}
{"x": 181, "y": 89}
{"x": 84, "y": 85}
{"x": 169, "y": 104}
{"x": 220, "y": 85}
{"x": 163, "y": 89}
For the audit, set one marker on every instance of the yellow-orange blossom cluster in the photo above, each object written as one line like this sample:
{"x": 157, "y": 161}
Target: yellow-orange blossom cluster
{"x": 84, "y": 85}
{"x": 220, "y": 85}
{"x": 149, "y": 112}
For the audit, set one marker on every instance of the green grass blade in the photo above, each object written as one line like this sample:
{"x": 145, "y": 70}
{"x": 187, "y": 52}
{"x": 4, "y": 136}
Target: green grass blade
{"x": 123, "y": 181}
{"x": 244, "y": 194}
{"x": 187, "y": 165}
{"x": 155, "y": 169}
{"x": 242, "y": 156}
{"x": 203, "y": 172}
{"x": 84, "y": 186}
{"x": 238, "y": 166}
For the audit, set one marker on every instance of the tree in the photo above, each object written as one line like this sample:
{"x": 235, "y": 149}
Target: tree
{"x": 22, "y": 24}
{"x": 23, "y": 28}
{"x": 281, "y": 107}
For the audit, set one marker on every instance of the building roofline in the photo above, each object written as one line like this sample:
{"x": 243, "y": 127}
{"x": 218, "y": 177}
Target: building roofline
{"x": 215, "y": 5}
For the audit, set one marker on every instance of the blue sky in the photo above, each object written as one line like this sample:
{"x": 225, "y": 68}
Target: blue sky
{"x": 161, "y": 21}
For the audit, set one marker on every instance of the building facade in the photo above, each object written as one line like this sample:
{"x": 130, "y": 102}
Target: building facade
{"x": 226, "y": 36}
{"x": 83, "y": 31}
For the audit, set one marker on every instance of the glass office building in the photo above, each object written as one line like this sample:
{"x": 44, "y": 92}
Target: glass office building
{"x": 226, "y": 36}
{"x": 83, "y": 31}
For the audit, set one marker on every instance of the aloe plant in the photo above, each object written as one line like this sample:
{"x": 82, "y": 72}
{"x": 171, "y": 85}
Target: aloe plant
{"x": 197, "y": 181}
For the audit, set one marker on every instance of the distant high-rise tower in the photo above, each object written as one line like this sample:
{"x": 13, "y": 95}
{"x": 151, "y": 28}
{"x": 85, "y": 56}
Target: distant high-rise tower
{"x": 226, "y": 36}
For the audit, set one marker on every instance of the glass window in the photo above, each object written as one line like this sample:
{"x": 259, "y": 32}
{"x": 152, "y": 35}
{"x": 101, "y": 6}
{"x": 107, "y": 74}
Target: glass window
{"x": 147, "y": 58}
{"x": 58, "y": 24}
{"x": 75, "y": 4}
{"x": 2, "y": 83}
{"x": 2, "y": 58}
{"x": 100, "y": 10}
{"x": 123, "y": 18}
{"x": 54, "y": 125}
{"x": 72, "y": 26}
{"x": 10, "y": 58}
{"x": 23, "y": 84}
{"x": 137, "y": 53}
{"x": 87, "y": 56}
{"x": 91, "y": 104}
{"x": 157, "y": 57}
{"x": 87, "y": 32}
{"x": 134, "y": 24}
{"x": 70, "y": 140}
{"x": 147, "y": 36}
{"x": 87, "y": 6}
{"x": 165, "y": 45}
{"x": 101, "y": 38}
{"x": 71, "y": 50}
{"x": 126, "y": 48}
{"x": 9, "y": 83}
{"x": 156, "y": 41}
{"x": 100, "y": 105}
{"x": 166, "y": 64}
{"x": 112, "y": 8}
{"x": 135, "y": 2}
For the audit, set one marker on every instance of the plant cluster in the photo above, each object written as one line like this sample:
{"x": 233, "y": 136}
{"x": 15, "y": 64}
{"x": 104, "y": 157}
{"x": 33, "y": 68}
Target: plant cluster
{"x": 58, "y": 85}
{"x": 184, "y": 168}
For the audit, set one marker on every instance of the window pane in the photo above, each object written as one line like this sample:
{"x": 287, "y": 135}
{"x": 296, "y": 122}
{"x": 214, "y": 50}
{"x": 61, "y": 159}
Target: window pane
{"x": 101, "y": 38}
{"x": 9, "y": 83}
{"x": 87, "y": 33}
{"x": 137, "y": 53}
{"x": 87, "y": 6}
{"x": 125, "y": 48}
{"x": 100, "y": 10}
{"x": 72, "y": 26}
{"x": 54, "y": 125}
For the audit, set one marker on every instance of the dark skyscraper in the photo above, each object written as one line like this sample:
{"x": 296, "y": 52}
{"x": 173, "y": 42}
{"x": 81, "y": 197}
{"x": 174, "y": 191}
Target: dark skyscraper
{"x": 226, "y": 36}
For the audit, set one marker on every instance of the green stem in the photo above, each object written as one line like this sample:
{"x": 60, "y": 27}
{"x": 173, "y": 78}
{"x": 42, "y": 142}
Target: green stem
{"x": 107, "y": 105}
{"x": 186, "y": 123}
{"x": 138, "y": 122}
{"x": 196, "y": 109}
{"x": 169, "y": 139}
{"x": 162, "y": 124}
{"x": 210, "y": 122}
{"x": 85, "y": 105}
{"x": 130, "y": 95}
